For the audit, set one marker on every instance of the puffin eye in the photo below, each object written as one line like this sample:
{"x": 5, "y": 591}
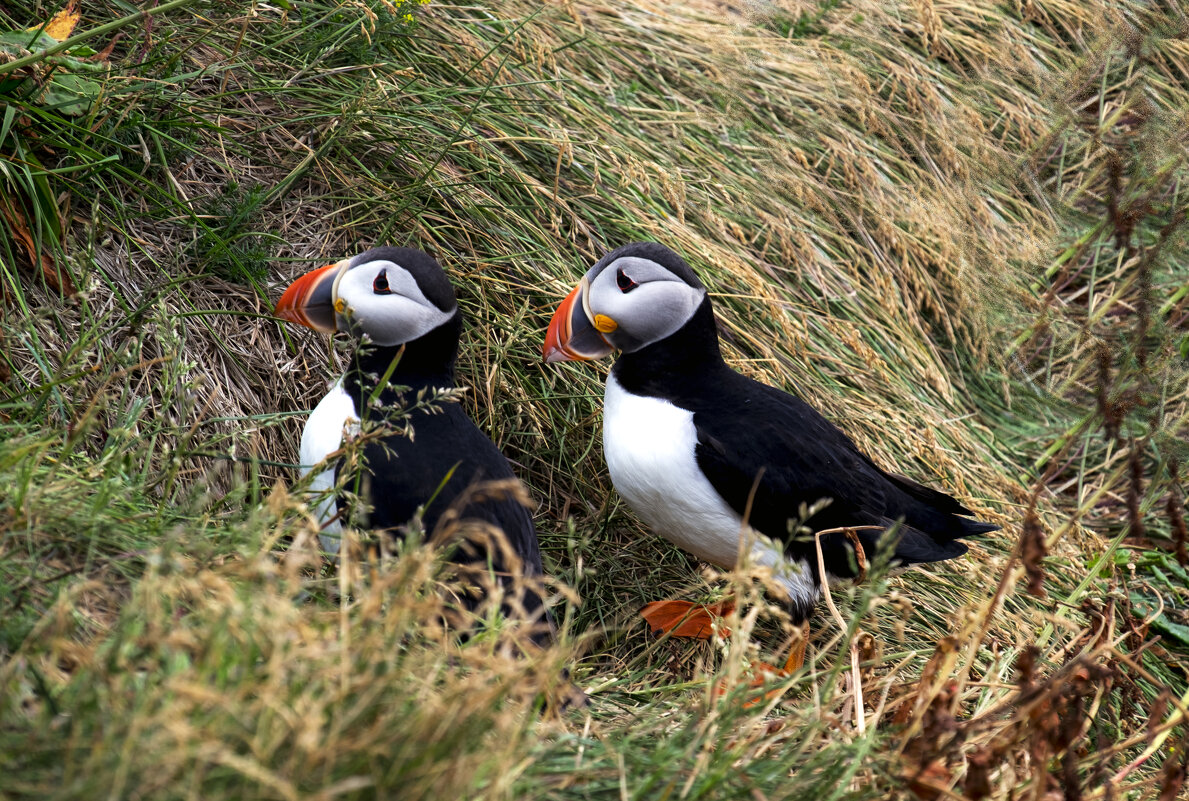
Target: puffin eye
{"x": 380, "y": 285}
{"x": 624, "y": 282}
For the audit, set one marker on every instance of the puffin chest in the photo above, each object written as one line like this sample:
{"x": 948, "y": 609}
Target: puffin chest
{"x": 331, "y": 420}
{"x": 649, "y": 444}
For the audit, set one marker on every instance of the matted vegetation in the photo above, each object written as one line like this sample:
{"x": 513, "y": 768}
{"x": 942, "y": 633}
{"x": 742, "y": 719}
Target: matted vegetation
{"x": 955, "y": 228}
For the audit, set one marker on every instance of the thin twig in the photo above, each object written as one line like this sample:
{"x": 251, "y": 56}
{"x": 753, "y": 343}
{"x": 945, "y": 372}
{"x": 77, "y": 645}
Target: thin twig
{"x": 860, "y": 722}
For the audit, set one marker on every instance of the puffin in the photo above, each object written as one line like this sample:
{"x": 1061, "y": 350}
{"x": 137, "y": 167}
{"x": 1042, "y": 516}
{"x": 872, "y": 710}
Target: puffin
{"x": 430, "y": 462}
{"x": 705, "y": 455}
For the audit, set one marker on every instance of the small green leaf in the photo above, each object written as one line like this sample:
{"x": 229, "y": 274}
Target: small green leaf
{"x": 69, "y": 94}
{"x": 1175, "y": 630}
{"x": 1161, "y": 623}
{"x": 18, "y": 43}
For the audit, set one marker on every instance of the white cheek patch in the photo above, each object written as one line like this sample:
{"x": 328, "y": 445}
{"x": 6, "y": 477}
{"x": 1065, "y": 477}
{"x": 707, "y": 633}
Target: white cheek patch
{"x": 656, "y": 308}
{"x": 401, "y": 315}
{"x": 393, "y": 320}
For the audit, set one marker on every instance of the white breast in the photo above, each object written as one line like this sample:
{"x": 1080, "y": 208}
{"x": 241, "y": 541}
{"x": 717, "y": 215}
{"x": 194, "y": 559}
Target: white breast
{"x": 332, "y": 418}
{"x": 649, "y": 446}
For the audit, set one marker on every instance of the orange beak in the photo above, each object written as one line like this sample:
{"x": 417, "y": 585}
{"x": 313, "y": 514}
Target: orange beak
{"x": 309, "y": 300}
{"x": 571, "y": 335}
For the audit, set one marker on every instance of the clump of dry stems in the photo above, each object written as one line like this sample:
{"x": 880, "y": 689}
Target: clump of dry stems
{"x": 954, "y": 228}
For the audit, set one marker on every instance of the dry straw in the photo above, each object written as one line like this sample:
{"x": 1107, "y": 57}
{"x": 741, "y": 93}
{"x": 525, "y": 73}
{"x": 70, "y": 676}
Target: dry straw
{"x": 926, "y": 218}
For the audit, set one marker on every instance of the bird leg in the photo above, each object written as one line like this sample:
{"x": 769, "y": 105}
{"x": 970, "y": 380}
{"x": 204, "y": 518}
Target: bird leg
{"x": 797, "y": 653}
{"x": 701, "y": 621}
{"x": 791, "y": 665}
{"x": 762, "y": 672}
{"x": 686, "y": 619}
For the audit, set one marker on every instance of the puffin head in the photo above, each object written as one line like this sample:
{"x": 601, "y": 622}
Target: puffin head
{"x": 636, "y": 295}
{"x": 391, "y": 295}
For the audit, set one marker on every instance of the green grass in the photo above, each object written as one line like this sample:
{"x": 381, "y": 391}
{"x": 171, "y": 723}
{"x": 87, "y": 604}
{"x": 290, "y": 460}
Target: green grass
{"x": 926, "y": 219}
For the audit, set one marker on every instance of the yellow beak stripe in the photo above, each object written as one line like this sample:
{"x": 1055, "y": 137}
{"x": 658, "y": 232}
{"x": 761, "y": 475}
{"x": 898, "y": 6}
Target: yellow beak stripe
{"x": 605, "y": 324}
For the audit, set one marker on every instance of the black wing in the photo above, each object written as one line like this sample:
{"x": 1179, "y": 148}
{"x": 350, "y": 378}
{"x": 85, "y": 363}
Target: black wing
{"x": 445, "y": 465}
{"x": 448, "y": 465}
{"x": 757, "y": 438}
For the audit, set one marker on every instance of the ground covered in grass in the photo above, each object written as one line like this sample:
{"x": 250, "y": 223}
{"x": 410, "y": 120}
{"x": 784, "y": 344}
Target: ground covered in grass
{"x": 957, "y": 229}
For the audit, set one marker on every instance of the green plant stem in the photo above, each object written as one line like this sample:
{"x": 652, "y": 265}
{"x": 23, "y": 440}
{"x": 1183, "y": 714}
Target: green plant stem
{"x": 79, "y": 38}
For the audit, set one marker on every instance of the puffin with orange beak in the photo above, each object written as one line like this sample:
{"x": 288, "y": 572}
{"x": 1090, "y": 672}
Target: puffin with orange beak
{"x": 399, "y": 303}
{"x": 693, "y": 446}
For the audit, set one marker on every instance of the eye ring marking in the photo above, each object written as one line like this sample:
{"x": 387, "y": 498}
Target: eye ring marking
{"x": 380, "y": 284}
{"x": 624, "y": 281}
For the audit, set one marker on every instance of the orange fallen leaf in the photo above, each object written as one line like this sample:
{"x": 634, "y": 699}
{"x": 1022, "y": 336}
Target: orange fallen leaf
{"x": 59, "y": 280}
{"x": 62, "y": 24}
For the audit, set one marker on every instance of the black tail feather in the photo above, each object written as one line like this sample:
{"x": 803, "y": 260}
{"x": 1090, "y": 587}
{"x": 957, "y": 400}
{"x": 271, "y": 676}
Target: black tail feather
{"x": 973, "y": 528}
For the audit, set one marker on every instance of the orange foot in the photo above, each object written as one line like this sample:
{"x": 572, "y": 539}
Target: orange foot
{"x": 797, "y": 652}
{"x": 685, "y": 619}
{"x": 700, "y": 621}
{"x": 763, "y": 672}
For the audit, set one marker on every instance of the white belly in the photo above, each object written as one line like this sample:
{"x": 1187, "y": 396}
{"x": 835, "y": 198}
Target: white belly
{"x": 649, "y": 446}
{"x": 332, "y": 419}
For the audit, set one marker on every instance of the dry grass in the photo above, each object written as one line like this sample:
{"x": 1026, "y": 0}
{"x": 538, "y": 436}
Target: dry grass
{"x": 906, "y": 213}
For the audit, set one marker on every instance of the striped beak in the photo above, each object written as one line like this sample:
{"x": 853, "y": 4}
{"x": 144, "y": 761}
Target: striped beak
{"x": 309, "y": 300}
{"x": 571, "y": 335}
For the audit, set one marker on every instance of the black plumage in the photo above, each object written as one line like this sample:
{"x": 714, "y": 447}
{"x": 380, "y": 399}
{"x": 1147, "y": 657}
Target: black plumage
{"x": 430, "y": 459}
{"x": 446, "y": 457}
{"x": 753, "y": 435}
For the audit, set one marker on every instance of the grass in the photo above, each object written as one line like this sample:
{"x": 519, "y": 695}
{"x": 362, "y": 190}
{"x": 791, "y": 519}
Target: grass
{"x": 954, "y": 228}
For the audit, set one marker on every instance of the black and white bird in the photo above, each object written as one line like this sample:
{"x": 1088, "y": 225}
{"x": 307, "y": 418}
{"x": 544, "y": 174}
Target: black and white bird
{"x": 401, "y": 305}
{"x": 688, "y": 441}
